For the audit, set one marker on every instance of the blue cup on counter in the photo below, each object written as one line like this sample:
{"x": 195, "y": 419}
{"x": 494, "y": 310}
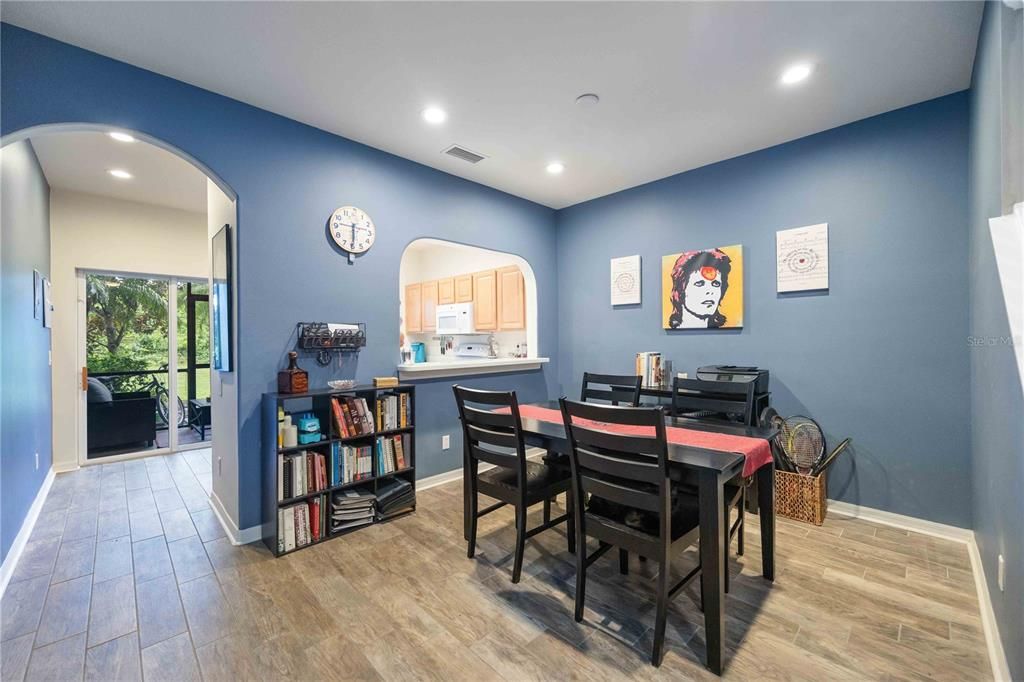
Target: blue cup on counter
{"x": 419, "y": 352}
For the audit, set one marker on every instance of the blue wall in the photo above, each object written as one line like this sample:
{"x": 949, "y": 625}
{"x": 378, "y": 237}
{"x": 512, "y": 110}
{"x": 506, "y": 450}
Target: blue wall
{"x": 996, "y": 397}
{"x": 289, "y": 178}
{"x": 24, "y": 350}
{"x": 881, "y": 357}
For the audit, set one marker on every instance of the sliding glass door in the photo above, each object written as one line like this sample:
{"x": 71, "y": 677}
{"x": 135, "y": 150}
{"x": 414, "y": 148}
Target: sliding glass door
{"x": 194, "y": 360}
{"x": 145, "y": 380}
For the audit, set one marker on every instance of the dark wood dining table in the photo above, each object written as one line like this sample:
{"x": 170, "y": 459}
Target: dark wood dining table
{"x": 708, "y": 471}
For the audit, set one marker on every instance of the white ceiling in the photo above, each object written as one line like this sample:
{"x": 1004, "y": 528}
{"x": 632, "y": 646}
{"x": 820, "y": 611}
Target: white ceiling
{"x": 681, "y": 84}
{"x": 80, "y": 161}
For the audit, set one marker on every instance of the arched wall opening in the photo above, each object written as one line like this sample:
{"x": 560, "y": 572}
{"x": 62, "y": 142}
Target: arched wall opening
{"x": 65, "y": 440}
{"x": 438, "y": 265}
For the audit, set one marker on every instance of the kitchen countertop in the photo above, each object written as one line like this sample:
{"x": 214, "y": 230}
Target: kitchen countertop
{"x": 463, "y": 366}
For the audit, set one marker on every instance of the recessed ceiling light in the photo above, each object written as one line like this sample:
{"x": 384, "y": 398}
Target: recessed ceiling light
{"x": 122, "y": 137}
{"x": 588, "y": 99}
{"x": 796, "y": 73}
{"x": 120, "y": 174}
{"x": 434, "y": 115}
{"x": 555, "y": 168}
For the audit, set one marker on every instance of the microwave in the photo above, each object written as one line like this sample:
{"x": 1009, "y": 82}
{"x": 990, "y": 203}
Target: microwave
{"x": 455, "y": 318}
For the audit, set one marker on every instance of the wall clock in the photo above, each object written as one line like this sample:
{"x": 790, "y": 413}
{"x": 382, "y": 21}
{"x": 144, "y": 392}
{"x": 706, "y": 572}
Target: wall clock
{"x": 352, "y": 230}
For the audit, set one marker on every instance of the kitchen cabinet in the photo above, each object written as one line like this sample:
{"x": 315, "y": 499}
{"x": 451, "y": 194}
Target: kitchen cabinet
{"x": 511, "y": 298}
{"x": 414, "y": 307}
{"x": 463, "y": 288}
{"x": 446, "y": 291}
{"x": 485, "y": 300}
{"x": 429, "y": 298}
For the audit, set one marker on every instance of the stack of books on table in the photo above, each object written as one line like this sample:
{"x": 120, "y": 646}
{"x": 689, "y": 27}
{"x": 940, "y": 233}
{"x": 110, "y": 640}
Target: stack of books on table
{"x": 351, "y": 508}
{"x": 654, "y": 371}
{"x": 394, "y": 496}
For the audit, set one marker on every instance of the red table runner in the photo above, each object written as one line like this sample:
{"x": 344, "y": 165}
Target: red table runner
{"x": 756, "y": 451}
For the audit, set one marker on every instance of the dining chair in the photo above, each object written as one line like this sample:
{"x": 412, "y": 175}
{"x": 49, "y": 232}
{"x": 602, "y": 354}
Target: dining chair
{"x": 632, "y": 504}
{"x": 492, "y": 434}
{"x": 620, "y": 388}
{"x": 715, "y": 401}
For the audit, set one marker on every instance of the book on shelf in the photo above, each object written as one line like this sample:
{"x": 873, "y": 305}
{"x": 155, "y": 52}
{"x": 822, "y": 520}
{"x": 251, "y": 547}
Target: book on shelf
{"x": 352, "y": 416}
{"x": 393, "y": 496}
{"x": 301, "y": 524}
{"x": 352, "y": 507}
{"x": 392, "y": 412}
{"x": 301, "y": 473}
{"x": 350, "y": 463}
{"x": 391, "y": 453}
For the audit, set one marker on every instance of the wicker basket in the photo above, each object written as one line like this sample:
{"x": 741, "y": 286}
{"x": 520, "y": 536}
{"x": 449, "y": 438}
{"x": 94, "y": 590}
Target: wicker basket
{"x": 801, "y": 497}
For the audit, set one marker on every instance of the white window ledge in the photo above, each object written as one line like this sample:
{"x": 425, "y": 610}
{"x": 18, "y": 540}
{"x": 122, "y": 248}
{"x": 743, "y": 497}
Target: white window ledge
{"x": 454, "y": 368}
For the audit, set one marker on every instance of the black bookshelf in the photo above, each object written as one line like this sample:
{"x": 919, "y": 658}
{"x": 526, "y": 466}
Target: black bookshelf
{"x": 319, "y": 403}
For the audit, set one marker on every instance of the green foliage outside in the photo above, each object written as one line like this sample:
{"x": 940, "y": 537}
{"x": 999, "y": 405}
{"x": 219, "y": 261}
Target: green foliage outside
{"x": 127, "y": 330}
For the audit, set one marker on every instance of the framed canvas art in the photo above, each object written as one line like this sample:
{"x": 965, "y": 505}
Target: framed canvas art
{"x": 220, "y": 300}
{"x": 703, "y": 289}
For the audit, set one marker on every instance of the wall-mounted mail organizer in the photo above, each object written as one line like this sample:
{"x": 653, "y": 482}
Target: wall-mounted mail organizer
{"x": 327, "y": 338}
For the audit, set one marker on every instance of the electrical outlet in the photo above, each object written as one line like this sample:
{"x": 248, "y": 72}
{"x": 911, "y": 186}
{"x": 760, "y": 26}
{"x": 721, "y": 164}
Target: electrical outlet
{"x": 446, "y": 441}
{"x": 220, "y": 468}
{"x": 1002, "y": 574}
{"x": 37, "y": 461}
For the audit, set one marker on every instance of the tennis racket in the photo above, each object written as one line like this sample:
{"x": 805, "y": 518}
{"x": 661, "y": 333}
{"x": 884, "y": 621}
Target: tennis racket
{"x": 771, "y": 418}
{"x": 803, "y": 442}
{"x": 824, "y": 464}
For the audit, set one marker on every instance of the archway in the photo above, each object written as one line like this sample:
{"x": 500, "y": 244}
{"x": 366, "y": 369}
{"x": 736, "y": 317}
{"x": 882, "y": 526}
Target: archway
{"x": 220, "y": 208}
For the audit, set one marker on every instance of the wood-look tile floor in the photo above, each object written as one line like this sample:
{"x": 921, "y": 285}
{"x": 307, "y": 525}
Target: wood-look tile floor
{"x": 128, "y": 576}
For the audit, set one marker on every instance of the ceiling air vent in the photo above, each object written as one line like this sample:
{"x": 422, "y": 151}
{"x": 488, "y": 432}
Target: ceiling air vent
{"x": 464, "y": 154}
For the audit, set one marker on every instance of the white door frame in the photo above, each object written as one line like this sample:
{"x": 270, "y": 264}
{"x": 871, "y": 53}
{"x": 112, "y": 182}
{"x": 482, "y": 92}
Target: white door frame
{"x": 172, "y": 370}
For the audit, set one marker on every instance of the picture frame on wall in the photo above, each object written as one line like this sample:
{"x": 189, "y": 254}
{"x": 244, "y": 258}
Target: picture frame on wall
{"x": 47, "y": 305}
{"x": 220, "y": 300}
{"x": 37, "y": 295}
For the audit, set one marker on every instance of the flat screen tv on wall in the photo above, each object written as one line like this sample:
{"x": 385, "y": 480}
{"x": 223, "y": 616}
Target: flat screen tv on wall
{"x": 220, "y": 300}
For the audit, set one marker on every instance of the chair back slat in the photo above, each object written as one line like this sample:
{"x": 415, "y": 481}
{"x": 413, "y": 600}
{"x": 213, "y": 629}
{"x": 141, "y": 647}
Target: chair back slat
{"x": 593, "y": 436}
{"x": 508, "y": 460}
{"x": 613, "y": 414}
{"x": 490, "y": 434}
{"x": 716, "y": 397}
{"x": 478, "y": 435}
{"x": 620, "y": 493}
{"x": 489, "y": 419}
{"x": 619, "y": 467}
{"x": 613, "y": 388}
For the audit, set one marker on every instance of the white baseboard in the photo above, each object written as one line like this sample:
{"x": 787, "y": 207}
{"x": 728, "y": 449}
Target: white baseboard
{"x": 65, "y": 467}
{"x": 439, "y": 479}
{"x": 235, "y": 535}
{"x": 939, "y": 530}
{"x": 18, "y": 546}
{"x": 996, "y": 654}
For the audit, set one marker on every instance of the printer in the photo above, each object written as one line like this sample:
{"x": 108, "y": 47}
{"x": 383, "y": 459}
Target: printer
{"x": 736, "y": 373}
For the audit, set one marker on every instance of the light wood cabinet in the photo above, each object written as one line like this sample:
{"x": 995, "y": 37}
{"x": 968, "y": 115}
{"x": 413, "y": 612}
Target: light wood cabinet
{"x": 429, "y": 297}
{"x": 445, "y": 291}
{"x": 485, "y": 300}
{"x": 413, "y": 307}
{"x": 511, "y": 298}
{"x": 463, "y": 288}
